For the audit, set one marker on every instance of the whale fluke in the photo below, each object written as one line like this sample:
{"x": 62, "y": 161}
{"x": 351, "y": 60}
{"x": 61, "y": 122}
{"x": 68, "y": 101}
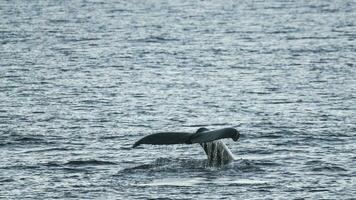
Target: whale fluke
{"x": 204, "y": 135}
{"x": 216, "y": 150}
{"x": 164, "y": 138}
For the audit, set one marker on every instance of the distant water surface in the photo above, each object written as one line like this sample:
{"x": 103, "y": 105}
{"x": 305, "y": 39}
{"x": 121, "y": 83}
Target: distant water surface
{"x": 81, "y": 81}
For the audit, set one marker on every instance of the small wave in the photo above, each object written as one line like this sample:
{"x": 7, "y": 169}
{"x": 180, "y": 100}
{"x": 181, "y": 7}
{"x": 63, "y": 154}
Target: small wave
{"x": 319, "y": 190}
{"x": 267, "y": 163}
{"x": 49, "y": 149}
{"x": 271, "y": 136}
{"x": 314, "y": 162}
{"x": 119, "y": 10}
{"x": 20, "y": 167}
{"x": 56, "y": 21}
{"x": 6, "y": 180}
{"x": 125, "y": 148}
{"x": 246, "y": 166}
{"x": 73, "y": 169}
{"x": 89, "y": 162}
{"x": 139, "y": 167}
{"x": 15, "y": 139}
{"x": 29, "y": 139}
{"x": 260, "y": 151}
{"x": 64, "y": 167}
{"x": 277, "y": 134}
{"x": 111, "y": 137}
{"x": 156, "y": 39}
{"x": 52, "y": 164}
{"x": 329, "y": 169}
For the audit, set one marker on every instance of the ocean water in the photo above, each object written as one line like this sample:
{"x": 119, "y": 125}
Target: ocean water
{"x": 81, "y": 81}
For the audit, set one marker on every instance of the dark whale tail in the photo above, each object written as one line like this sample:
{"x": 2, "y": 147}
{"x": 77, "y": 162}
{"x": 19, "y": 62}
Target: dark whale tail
{"x": 164, "y": 138}
{"x": 202, "y": 135}
{"x": 216, "y": 150}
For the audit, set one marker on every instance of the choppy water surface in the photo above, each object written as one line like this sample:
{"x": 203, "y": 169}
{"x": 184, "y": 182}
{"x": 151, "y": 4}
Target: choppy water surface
{"x": 81, "y": 81}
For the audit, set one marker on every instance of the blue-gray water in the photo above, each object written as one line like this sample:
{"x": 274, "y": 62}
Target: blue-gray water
{"x": 81, "y": 81}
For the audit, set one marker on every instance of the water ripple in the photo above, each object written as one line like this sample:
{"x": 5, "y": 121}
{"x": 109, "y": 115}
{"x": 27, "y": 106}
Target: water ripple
{"x": 81, "y": 82}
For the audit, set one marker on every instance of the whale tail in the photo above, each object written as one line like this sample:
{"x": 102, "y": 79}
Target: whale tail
{"x": 164, "y": 138}
{"x": 217, "y": 152}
